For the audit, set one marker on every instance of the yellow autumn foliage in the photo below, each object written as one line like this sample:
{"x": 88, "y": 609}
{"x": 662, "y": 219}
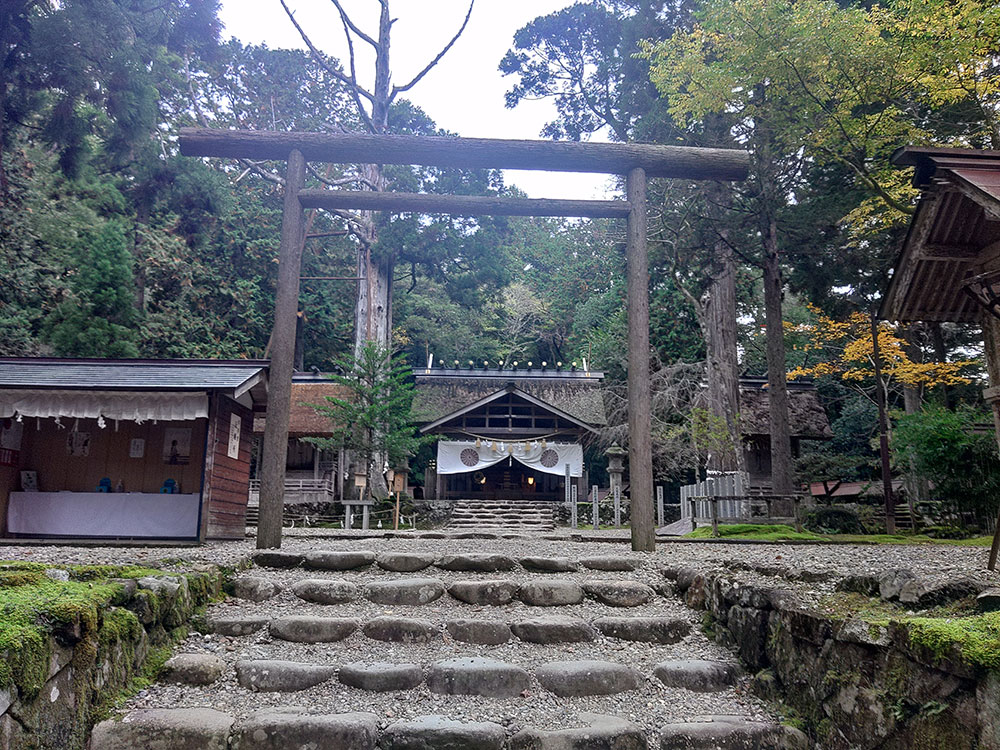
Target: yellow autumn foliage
{"x": 844, "y": 349}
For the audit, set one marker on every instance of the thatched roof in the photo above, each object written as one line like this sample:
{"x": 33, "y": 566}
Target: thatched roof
{"x": 303, "y": 420}
{"x": 806, "y": 414}
{"x": 443, "y": 392}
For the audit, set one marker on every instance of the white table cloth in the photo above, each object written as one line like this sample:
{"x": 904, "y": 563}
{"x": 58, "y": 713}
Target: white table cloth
{"x": 104, "y": 514}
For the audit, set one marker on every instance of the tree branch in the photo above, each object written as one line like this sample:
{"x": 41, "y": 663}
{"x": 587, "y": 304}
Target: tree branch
{"x": 320, "y": 57}
{"x": 348, "y": 23}
{"x": 436, "y": 60}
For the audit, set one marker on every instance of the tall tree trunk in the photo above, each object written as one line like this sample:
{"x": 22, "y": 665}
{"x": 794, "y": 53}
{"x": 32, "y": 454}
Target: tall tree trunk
{"x": 781, "y": 441}
{"x": 718, "y": 319}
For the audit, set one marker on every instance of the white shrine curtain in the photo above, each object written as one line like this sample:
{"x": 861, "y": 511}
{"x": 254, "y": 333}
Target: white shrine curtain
{"x": 460, "y": 456}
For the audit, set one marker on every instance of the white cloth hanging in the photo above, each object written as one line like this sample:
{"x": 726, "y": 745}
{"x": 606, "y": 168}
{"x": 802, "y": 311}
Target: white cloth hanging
{"x": 460, "y": 456}
{"x": 134, "y": 406}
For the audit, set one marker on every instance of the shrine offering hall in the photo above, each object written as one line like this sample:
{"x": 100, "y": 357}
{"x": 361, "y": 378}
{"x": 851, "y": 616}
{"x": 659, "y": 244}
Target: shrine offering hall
{"x": 508, "y": 434}
{"x": 127, "y": 449}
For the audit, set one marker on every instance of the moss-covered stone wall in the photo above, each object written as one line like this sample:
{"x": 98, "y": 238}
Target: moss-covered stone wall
{"x": 856, "y": 683}
{"x": 72, "y": 638}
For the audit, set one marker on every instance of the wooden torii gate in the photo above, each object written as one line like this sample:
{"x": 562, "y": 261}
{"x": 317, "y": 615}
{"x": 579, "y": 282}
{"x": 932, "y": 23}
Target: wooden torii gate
{"x": 636, "y": 162}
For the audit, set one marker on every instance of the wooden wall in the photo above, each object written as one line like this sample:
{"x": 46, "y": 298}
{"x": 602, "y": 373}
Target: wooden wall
{"x": 44, "y": 451}
{"x": 227, "y": 480}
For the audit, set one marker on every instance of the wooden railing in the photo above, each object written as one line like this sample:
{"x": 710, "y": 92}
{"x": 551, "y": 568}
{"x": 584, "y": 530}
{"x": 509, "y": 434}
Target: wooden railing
{"x": 299, "y": 491}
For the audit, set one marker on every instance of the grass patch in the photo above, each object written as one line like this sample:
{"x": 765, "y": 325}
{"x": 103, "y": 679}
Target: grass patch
{"x": 784, "y": 533}
{"x": 760, "y": 532}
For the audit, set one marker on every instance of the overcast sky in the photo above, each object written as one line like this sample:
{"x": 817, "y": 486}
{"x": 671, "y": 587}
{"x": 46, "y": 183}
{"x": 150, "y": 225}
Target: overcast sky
{"x": 463, "y": 94}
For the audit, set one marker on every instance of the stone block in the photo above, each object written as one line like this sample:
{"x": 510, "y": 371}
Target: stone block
{"x": 236, "y": 626}
{"x": 477, "y": 676}
{"x": 623, "y": 564}
{"x": 381, "y": 676}
{"x": 165, "y": 729}
{"x": 306, "y": 629}
{"x": 600, "y": 733}
{"x": 699, "y": 675}
{"x": 193, "y": 669}
{"x": 410, "y": 591}
{"x": 326, "y": 560}
{"x": 618, "y": 593}
{"x": 554, "y": 629}
{"x": 645, "y": 629}
{"x": 477, "y": 563}
{"x": 400, "y": 629}
{"x": 254, "y": 588}
{"x": 494, "y": 593}
{"x": 438, "y": 733}
{"x": 325, "y": 591}
{"x": 730, "y": 734}
{"x": 551, "y": 593}
{"x": 402, "y": 562}
{"x": 275, "y": 559}
{"x": 549, "y": 564}
{"x": 587, "y": 677}
{"x": 283, "y": 730}
{"x": 272, "y": 676}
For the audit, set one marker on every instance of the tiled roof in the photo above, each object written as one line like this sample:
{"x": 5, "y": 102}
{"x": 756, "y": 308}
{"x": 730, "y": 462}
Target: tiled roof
{"x": 138, "y": 375}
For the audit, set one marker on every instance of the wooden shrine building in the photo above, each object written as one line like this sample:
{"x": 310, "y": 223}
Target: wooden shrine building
{"x": 508, "y": 434}
{"x": 949, "y": 267}
{"x": 126, "y": 449}
{"x": 314, "y": 477}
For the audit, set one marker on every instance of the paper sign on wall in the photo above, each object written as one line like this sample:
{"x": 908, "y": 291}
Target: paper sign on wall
{"x": 235, "y": 427}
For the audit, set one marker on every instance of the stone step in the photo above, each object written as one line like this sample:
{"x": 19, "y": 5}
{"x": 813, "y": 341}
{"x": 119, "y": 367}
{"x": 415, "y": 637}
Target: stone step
{"x": 268, "y": 729}
{"x": 545, "y": 629}
{"x": 730, "y": 733}
{"x": 250, "y": 587}
{"x": 464, "y": 675}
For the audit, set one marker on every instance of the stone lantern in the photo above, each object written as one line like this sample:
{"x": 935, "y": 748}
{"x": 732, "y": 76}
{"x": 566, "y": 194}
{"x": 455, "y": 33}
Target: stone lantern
{"x": 616, "y": 455}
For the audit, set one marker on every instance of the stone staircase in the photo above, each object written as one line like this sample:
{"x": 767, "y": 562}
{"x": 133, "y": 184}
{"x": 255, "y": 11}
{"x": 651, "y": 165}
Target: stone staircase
{"x": 502, "y": 515}
{"x": 400, "y": 646}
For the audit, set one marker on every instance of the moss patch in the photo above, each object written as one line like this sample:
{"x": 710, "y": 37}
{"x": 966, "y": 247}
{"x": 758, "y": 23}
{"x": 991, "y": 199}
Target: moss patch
{"x": 976, "y": 638}
{"x": 34, "y": 607}
{"x": 761, "y": 532}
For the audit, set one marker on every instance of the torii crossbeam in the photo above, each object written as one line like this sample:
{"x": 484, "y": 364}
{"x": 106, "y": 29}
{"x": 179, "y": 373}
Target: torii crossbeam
{"x": 636, "y": 162}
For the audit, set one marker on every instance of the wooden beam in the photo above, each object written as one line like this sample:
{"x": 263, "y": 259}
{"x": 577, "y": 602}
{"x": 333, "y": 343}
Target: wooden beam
{"x": 461, "y": 205}
{"x": 640, "y": 448}
{"x": 470, "y": 153}
{"x": 279, "y": 398}
{"x": 929, "y": 251}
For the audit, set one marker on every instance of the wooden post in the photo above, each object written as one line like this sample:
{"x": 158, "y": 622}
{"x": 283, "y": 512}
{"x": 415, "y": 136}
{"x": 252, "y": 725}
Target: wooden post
{"x": 279, "y": 386}
{"x": 347, "y": 515}
{"x": 395, "y": 517}
{"x": 798, "y": 518}
{"x": 640, "y": 450}
{"x": 573, "y": 509}
{"x": 883, "y": 434}
{"x": 597, "y": 515}
{"x": 660, "y": 514}
{"x": 694, "y": 513}
{"x": 566, "y": 494}
{"x": 714, "y": 504}
{"x": 616, "y": 490}
{"x": 365, "y": 516}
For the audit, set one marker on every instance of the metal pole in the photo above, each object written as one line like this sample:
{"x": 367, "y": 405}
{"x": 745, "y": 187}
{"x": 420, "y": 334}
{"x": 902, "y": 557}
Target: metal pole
{"x": 883, "y": 433}
{"x": 279, "y": 385}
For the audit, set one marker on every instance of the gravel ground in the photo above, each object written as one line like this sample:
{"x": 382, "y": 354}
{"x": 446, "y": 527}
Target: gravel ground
{"x": 651, "y": 706}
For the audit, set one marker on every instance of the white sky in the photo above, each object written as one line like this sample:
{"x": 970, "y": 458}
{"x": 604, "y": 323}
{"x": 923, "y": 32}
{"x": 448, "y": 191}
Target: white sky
{"x": 463, "y": 94}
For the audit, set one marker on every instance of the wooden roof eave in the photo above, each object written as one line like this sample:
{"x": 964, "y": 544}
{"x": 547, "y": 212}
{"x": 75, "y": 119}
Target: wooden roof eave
{"x": 498, "y": 395}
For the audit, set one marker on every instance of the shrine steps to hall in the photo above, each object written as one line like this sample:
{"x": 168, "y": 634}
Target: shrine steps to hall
{"x": 432, "y": 649}
{"x": 509, "y": 515}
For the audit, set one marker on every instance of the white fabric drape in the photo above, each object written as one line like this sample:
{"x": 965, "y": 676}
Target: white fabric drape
{"x": 460, "y": 456}
{"x": 136, "y": 407}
